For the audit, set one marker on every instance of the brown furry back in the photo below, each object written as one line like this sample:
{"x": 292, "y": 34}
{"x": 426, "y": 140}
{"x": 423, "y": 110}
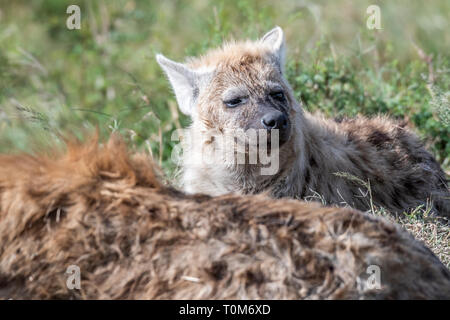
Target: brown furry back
{"x": 107, "y": 212}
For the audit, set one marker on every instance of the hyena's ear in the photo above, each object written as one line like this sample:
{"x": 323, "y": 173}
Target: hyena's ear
{"x": 275, "y": 40}
{"x": 184, "y": 82}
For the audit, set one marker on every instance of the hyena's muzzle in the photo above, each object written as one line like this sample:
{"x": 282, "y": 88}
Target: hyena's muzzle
{"x": 277, "y": 120}
{"x": 270, "y": 119}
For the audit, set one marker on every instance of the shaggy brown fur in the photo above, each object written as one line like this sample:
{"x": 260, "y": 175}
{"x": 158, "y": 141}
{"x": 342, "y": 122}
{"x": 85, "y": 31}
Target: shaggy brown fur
{"x": 382, "y": 154}
{"x": 336, "y": 161}
{"x": 133, "y": 237}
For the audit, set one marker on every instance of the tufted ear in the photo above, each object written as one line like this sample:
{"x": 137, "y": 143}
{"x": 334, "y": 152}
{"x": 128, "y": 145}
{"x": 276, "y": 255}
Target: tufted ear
{"x": 184, "y": 81}
{"x": 275, "y": 40}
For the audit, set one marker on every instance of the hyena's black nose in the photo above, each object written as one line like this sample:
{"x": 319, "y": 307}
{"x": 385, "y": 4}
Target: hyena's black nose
{"x": 274, "y": 120}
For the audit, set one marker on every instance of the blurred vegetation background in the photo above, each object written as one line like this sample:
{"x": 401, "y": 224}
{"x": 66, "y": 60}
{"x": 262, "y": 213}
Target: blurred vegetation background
{"x": 54, "y": 80}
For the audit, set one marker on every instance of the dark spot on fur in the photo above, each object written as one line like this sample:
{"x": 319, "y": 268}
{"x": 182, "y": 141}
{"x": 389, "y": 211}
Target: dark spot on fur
{"x": 364, "y": 155}
{"x": 395, "y": 199}
{"x": 254, "y": 277}
{"x": 412, "y": 185}
{"x": 354, "y": 160}
{"x": 196, "y": 92}
{"x": 445, "y": 273}
{"x": 55, "y": 215}
{"x": 378, "y": 138}
{"x": 307, "y": 177}
{"x": 303, "y": 237}
{"x": 351, "y": 136}
{"x": 339, "y": 119}
{"x": 313, "y": 162}
{"x": 379, "y": 177}
{"x": 427, "y": 275}
{"x": 218, "y": 270}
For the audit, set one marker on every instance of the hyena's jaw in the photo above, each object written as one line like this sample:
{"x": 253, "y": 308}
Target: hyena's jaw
{"x": 275, "y": 138}
{"x": 207, "y": 169}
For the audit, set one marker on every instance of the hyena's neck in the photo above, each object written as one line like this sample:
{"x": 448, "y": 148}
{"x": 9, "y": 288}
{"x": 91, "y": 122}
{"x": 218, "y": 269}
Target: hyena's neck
{"x": 202, "y": 170}
{"x": 322, "y": 152}
{"x": 205, "y": 172}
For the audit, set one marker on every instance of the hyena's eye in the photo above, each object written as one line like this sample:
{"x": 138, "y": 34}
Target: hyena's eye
{"x": 278, "y": 95}
{"x": 234, "y": 102}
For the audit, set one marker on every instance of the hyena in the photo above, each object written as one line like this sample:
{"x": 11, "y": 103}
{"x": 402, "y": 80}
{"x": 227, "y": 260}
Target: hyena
{"x": 359, "y": 162}
{"x": 105, "y": 212}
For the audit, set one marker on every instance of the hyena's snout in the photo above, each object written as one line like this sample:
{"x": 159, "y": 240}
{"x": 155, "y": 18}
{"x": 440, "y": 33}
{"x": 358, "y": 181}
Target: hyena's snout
{"x": 277, "y": 120}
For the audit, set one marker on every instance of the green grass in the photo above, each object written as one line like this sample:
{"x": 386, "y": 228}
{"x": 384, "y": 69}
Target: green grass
{"x": 54, "y": 80}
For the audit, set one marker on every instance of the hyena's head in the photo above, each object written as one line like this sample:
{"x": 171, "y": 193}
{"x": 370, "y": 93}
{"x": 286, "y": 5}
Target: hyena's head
{"x": 238, "y": 86}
